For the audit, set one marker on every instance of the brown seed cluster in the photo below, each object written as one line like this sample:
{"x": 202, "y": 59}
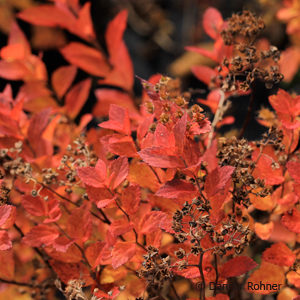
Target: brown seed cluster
{"x": 230, "y": 235}
{"x": 168, "y": 103}
{"x": 237, "y": 153}
{"x": 156, "y": 270}
{"x": 248, "y": 63}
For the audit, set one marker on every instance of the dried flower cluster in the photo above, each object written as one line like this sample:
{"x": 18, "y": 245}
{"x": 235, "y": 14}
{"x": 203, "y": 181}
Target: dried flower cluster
{"x": 248, "y": 63}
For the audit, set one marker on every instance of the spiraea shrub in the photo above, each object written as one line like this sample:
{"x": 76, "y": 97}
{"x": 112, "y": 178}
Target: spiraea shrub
{"x": 154, "y": 202}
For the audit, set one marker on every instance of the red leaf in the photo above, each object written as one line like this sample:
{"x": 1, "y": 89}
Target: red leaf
{"x": 118, "y": 172}
{"x": 279, "y": 254}
{"x": 158, "y": 157}
{"x": 7, "y": 216}
{"x": 116, "y": 228}
{"x": 131, "y": 197}
{"x": 293, "y": 168}
{"x": 86, "y": 58}
{"x": 144, "y": 127}
{"x": 115, "y": 31}
{"x": 149, "y": 88}
{"x": 76, "y": 97}
{"x": 101, "y": 196}
{"x": 122, "y": 74}
{"x": 122, "y": 253}
{"x": 237, "y": 266}
{"x": 36, "y": 206}
{"x": 79, "y": 224}
{"x": 122, "y": 145}
{"x": 291, "y": 220}
{"x": 217, "y": 180}
{"x": 12, "y": 70}
{"x": 41, "y": 235}
{"x": 264, "y": 170}
{"x": 212, "y": 22}
{"x": 5, "y": 242}
{"x": 62, "y": 244}
{"x": 204, "y": 73}
{"x": 118, "y": 120}
{"x": 92, "y": 253}
{"x": 163, "y": 137}
{"x": 7, "y": 263}
{"x": 54, "y": 212}
{"x": 176, "y": 189}
{"x": 210, "y": 54}
{"x": 284, "y": 103}
{"x": 37, "y": 125}
{"x": 62, "y": 78}
{"x": 48, "y": 15}
{"x": 18, "y": 47}
{"x": 84, "y": 24}
{"x": 106, "y": 97}
{"x": 67, "y": 272}
{"x": 94, "y": 177}
{"x": 152, "y": 221}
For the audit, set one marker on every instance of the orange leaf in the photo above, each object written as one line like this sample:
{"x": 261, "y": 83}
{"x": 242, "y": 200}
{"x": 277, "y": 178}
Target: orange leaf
{"x": 86, "y": 58}
{"x": 7, "y": 263}
{"x": 265, "y": 170}
{"x": 5, "y": 242}
{"x": 115, "y": 31}
{"x": 293, "y": 278}
{"x": 62, "y": 78}
{"x": 279, "y": 254}
{"x": 291, "y": 220}
{"x": 92, "y": 252}
{"x": 122, "y": 253}
{"x": 262, "y": 203}
{"x": 264, "y": 231}
{"x": 48, "y": 15}
{"x": 267, "y": 279}
{"x": 76, "y": 97}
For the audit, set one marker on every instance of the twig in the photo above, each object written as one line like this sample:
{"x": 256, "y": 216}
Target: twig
{"x": 200, "y": 267}
{"x": 217, "y": 274}
{"x": 218, "y": 116}
{"x": 248, "y": 116}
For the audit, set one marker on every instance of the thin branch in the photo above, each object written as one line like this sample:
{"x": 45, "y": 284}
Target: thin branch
{"x": 248, "y": 116}
{"x": 222, "y": 107}
{"x": 31, "y": 285}
{"x": 200, "y": 267}
{"x": 217, "y": 273}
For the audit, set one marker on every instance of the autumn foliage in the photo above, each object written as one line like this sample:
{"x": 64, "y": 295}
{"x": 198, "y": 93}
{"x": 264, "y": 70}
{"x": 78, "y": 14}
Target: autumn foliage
{"x": 154, "y": 202}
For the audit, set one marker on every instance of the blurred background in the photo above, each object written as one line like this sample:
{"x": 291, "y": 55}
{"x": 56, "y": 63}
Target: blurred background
{"x": 157, "y": 32}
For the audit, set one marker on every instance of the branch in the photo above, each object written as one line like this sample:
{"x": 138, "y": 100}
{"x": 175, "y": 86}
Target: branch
{"x": 222, "y": 107}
